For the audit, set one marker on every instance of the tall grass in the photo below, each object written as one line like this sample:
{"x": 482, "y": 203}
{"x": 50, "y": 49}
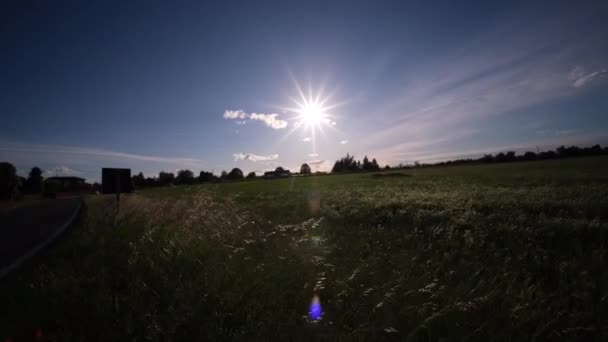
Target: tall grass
{"x": 513, "y": 252}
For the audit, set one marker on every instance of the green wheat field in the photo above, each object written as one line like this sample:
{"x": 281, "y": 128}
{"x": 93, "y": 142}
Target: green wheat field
{"x": 514, "y": 251}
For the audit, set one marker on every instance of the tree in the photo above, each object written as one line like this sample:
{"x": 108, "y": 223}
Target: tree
{"x": 151, "y": 181}
{"x": 487, "y": 158}
{"x": 375, "y": 166}
{"x": 251, "y": 175}
{"x": 166, "y": 178}
{"x": 139, "y": 180}
{"x": 529, "y": 156}
{"x": 279, "y": 170}
{"x": 8, "y": 180}
{"x": 305, "y": 169}
{"x": 224, "y": 174}
{"x": 33, "y": 184}
{"x": 185, "y": 177}
{"x": 205, "y": 176}
{"x": 366, "y": 164}
{"x": 347, "y": 163}
{"x": 235, "y": 173}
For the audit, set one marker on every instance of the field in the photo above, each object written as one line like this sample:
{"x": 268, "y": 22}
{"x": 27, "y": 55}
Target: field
{"x": 490, "y": 252}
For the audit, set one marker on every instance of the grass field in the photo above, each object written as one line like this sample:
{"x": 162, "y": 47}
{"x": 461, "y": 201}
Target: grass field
{"x": 490, "y": 252}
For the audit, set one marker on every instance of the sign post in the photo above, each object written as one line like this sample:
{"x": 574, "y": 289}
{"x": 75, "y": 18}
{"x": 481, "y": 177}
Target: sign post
{"x": 115, "y": 181}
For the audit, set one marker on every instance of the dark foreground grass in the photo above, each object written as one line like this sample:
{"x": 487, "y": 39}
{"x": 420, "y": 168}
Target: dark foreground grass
{"x": 499, "y": 252}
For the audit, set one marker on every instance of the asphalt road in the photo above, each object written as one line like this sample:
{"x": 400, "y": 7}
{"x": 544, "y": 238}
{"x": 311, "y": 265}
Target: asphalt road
{"x": 25, "y": 230}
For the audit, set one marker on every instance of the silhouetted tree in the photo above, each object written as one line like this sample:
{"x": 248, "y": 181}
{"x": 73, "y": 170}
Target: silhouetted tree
{"x": 224, "y": 174}
{"x": 488, "y": 158}
{"x": 305, "y": 169}
{"x": 139, "y": 180}
{"x": 166, "y": 178}
{"x": 235, "y": 173}
{"x": 595, "y": 150}
{"x": 251, "y": 175}
{"x": 279, "y": 170}
{"x": 184, "y": 177}
{"x": 529, "y": 156}
{"x": 33, "y": 184}
{"x": 500, "y": 158}
{"x": 375, "y": 166}
{"x": 349, "y": 163}
{"x": 8, "y": 180}
{"x": 205, "y": 176}
{"x": 547, "y": 155}
{"x": 366, "y": 165}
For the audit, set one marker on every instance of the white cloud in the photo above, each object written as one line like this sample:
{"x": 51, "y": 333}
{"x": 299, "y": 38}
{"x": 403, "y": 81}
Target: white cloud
{"x": 61, "y": 171}
{"x": 270, "y": 120}
{"x": 580, "y": 78}
{"x": 344, "y": 142}
{"x": 319, "y": 165}
{"x": 307, "y": 139}
{"x": 254, "y": 157}
{"x": 313, "y": 155}
{"x": 234, "y": 114}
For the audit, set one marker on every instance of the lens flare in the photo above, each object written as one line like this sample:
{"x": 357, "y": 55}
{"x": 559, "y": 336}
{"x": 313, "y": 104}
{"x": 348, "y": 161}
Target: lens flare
{"x": 315, "y": 308}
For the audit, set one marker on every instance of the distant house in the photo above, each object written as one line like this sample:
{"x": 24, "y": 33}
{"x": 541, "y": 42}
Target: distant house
{"x": 55, "y": 187}
{"x": 277, "y": 174}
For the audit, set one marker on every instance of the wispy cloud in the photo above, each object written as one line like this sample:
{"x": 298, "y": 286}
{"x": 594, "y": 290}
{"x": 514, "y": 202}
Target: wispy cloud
{"x": 254, "y": 157}
{"x": 61, "y": 171}
{"x": 466, "y": 88}
{"x": 580, "y": 78}
{"x": 344, "y": 142}
{"x": 556, "y": 132}
{"x": 234, "y": 114}
{"x": 313, "y": 155}
{"x": 271, "y": 120}
{"x": 307, "y": 139}
{"x": 72, "y": 150}
{"x": 89, "y": 161}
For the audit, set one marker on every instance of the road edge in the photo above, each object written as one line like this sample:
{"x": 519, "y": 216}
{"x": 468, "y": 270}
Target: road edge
{"x": 32, "y": 252}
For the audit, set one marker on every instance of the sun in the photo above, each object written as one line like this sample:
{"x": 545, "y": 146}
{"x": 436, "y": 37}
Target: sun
{"x": 312, "y": 113}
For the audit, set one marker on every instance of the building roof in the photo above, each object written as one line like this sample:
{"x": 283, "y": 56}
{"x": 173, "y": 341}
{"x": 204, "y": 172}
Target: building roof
{"x": 65, "y": 179}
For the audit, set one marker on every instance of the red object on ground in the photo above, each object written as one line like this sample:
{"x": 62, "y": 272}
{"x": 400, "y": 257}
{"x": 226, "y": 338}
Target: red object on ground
{"x": 38, "y": 334}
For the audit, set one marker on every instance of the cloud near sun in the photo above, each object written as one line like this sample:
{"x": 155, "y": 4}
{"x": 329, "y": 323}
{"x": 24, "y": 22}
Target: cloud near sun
{"x": 254, "y": 157}
{"x": 271, "y": 120}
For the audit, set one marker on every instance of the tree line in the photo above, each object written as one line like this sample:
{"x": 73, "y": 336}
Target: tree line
{"x": 187, "y": 176}
{"x": 511, "y": 156}
{"x": 12, "y": 185}
{"x": 349, "y": 164}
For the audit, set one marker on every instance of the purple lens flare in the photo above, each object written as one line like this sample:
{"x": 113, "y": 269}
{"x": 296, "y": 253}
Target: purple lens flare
{"x": 315, "y": 308}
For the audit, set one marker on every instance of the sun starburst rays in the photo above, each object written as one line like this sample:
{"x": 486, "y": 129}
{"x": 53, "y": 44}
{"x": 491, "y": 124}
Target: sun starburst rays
{"x": 311, "y": 113}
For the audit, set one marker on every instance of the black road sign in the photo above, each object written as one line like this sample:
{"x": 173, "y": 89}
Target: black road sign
{"x": 115, "y": 181}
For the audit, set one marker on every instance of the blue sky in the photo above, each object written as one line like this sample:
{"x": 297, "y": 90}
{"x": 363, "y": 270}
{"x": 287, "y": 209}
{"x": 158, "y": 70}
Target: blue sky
{"x": 207, "y": 86}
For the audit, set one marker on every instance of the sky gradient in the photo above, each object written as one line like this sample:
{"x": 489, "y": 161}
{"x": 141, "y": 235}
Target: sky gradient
{"x": 207, "y": 86}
